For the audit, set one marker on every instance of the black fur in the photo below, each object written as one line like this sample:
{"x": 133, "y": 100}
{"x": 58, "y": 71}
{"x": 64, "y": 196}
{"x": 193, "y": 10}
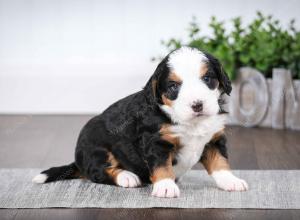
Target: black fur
{"x": 216, "y": 70}
{"x": 129, "y": 129}
{"x": 62, "y": 173}
{"x": 219, "y": 144}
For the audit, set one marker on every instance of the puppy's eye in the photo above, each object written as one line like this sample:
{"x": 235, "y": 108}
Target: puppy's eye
{"x": 172, "y": 90}
{"x": 173, "y": 86}
{"x": 211, "y": 82}
{"x": 206, "y": 79}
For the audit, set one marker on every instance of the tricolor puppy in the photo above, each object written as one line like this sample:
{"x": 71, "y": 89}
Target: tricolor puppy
{"x": 158, "y": 134}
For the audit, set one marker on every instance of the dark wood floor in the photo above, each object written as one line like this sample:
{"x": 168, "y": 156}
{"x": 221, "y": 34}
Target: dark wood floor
{"x": 43, "y": 141}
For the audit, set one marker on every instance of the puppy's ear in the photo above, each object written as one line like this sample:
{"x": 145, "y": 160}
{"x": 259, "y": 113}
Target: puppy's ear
{"x": 224, "y": 81}
{"x": 152, "y": 86}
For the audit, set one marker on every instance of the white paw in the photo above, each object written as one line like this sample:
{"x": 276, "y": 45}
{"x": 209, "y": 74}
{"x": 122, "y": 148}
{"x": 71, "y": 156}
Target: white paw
{"x": 128, "y": 179}
{"x": 165, "y": 188}
{"x": 40, "y": 178}
{"x": 227, "y": 181}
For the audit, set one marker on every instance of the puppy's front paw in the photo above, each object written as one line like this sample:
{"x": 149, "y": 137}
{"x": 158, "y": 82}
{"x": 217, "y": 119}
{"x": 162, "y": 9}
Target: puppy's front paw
{"x": 128, "y": 179}
{"x": 227, "y": 181}
{"x": 165, "y": 188}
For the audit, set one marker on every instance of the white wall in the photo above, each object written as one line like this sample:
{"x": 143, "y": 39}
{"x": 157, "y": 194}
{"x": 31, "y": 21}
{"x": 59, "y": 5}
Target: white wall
{"x": 72, "y": 56}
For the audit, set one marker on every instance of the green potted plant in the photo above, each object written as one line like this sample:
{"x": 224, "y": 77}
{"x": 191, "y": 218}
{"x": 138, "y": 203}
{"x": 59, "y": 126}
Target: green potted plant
{"x": 262, "y": 44}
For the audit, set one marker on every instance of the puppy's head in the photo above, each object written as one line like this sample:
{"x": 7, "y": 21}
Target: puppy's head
{"x": 187, "y": 84}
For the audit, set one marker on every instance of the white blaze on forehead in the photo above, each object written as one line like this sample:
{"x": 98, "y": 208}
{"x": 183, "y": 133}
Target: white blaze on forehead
{"x": 187, "y": 62}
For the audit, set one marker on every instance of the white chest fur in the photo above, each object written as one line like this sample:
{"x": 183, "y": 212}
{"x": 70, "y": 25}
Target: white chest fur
{"x": 193, "y": 138}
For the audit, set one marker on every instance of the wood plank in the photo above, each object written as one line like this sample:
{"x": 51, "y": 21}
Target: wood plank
{"x": 277, "y": 149}
{"x": 166, "y": 214}
{"x": 241, "y": 151}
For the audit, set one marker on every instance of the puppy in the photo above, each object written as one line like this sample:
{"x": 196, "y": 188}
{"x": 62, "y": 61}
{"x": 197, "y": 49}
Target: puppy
{"x": 156, "y": 135}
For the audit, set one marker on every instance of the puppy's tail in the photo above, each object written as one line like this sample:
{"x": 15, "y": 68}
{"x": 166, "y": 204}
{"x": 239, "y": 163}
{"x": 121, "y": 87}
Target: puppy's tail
{"x": 70, "y": 171}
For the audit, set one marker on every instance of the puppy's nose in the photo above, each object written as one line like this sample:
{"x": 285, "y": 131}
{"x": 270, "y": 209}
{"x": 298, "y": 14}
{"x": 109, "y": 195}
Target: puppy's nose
{"x": 197, "y": 106}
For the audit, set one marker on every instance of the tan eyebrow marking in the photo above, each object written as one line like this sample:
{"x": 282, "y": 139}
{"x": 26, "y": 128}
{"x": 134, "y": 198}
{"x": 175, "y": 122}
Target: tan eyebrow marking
{"x": 174, "y": 77}
{"x": 203, "y": 70}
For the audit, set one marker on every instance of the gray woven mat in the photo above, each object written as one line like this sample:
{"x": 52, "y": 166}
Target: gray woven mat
{"x": 277, "y": 189}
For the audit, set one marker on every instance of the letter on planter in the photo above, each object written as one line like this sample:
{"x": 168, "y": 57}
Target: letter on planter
{"x": 256, "y": 83}
{"x": 285, "y": 103}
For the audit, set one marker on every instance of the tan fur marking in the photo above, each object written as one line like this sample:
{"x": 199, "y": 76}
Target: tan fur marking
{"x": 154, "y": 84}
{"x": 167, "y": 135}
{"x": 174, "y": 77}
{"x": 163, "y": 172}
{"x": 113, "y": 170}
{"x": 217, "y": 135}
{"x": 203, "y": 70}
{"x": 214, "y": 161}
{"x": 166, "y": 101}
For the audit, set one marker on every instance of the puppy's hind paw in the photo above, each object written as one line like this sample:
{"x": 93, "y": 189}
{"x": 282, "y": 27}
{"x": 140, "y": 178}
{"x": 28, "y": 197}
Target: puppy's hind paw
{"x": 127, "y": 179}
